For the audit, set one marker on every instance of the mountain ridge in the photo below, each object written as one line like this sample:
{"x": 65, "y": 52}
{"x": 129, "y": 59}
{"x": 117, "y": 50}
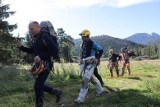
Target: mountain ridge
{"x": 144, "y": 38}
{"x": 107, "y": 42}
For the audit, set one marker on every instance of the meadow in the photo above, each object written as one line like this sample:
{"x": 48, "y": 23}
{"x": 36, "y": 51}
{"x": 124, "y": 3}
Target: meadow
{"x": 141, "y": 89}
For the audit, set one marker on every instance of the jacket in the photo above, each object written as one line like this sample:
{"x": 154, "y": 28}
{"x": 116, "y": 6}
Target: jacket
{"x": 91, "y": 48}
{"x": 44, "y": 51}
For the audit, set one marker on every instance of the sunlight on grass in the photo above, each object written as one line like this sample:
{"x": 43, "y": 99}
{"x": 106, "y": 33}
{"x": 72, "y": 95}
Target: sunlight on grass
{"x": 17, "y": 86}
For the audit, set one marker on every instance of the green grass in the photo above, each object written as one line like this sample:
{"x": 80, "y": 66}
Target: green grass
{"x": 141, "y": 89}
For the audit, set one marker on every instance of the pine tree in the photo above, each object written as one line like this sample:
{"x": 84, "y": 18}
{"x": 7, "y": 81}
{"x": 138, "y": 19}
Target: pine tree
{"x": 65, "y": 43}
{"x": 6, "y": 40}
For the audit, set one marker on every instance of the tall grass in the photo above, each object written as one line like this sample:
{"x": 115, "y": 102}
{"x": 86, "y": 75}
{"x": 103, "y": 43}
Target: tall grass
{"x": 141, "y": 89}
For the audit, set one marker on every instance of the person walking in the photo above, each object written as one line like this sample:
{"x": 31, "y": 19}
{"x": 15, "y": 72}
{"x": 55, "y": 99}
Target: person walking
{"x": 125, "y": 60}
{"x": 113, "y": 62}
{"x": 42, "y": 53}
{"x": 88, "y": 62}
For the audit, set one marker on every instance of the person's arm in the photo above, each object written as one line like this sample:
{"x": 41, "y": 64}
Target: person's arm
{"x": 110, "y": 57}
{"x": 80, "y": 55}
{"x": 22, "y": 48}
{"x": 26, "y": 49}
{"x": 99, "y": 49}
{"x": 80, "y": 52}
{"x": 109, "y": 60}
{"x": 118, "y": 56}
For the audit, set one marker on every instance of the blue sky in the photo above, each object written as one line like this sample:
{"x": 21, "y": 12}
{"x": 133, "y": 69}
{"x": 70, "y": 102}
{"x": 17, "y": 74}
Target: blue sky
{"x": 117, "y": 18}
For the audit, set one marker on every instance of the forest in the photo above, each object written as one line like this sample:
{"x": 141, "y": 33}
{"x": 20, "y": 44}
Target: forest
{"x": 69, "y": 47}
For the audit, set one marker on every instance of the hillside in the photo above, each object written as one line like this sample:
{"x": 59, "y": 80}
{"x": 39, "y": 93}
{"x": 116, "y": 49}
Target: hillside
{"x": 107, "y": 42}
{"x": 144, "y": 38}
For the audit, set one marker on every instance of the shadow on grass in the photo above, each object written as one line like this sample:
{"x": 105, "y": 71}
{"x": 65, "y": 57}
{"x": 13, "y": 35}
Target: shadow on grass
{"x": 151, "y": 76}
{"x": 135, "y": 78}
{"x": 124, "y": 98}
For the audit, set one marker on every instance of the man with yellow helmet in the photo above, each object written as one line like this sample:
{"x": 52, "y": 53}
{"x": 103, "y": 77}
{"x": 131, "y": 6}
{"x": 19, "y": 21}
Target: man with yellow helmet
{"x": 85, "y": 33}
{"x": 88, "y": 62}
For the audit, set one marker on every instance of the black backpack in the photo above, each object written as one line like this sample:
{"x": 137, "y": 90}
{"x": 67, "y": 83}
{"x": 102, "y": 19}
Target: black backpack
{"x": 47, "y": 27}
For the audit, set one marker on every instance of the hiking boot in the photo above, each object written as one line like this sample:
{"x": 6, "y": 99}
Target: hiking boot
{"x": 78, "y": 102}
{"x": 58, "y": 96}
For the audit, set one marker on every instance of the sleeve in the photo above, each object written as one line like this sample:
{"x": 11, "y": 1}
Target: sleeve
{"x": 99, "y": 49}
{"x": 26, "y": 49}
{"x": 110, "y": 57}
{"x": 118, "y": 56}
{"x": 52, "y": 49}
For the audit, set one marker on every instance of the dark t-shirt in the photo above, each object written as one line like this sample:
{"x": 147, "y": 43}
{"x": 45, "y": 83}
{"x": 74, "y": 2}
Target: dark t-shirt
{"x": 113, "y": 57}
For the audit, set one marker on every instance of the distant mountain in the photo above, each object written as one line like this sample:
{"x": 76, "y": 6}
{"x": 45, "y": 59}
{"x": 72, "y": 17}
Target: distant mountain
{"x": 144, "y": 38}
{"x": 107, "y": 42}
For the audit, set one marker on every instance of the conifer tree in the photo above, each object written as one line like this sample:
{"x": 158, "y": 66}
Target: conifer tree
{"x": 6, "y": 39}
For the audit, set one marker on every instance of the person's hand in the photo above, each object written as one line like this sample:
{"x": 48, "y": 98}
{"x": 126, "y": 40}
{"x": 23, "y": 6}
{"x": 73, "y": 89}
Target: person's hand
{"x": 81, "y": 61}
{"x": 37, "y": 59}
{"x": 96, "y": 61}
{"x": 19, "y": 44}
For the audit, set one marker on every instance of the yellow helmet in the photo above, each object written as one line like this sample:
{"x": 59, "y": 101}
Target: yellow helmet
{"x": 85, "y": 33}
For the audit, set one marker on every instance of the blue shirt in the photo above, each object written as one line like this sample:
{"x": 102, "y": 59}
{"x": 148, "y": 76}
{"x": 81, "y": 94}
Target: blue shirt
{"x": 90, "y": 48}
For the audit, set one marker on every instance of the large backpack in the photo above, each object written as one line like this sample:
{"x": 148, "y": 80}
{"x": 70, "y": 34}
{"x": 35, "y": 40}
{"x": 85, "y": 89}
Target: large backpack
{"x": 47, "y": 27}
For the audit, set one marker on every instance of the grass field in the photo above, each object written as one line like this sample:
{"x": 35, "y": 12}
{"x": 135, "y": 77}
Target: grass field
{"x": 141, "y": 89}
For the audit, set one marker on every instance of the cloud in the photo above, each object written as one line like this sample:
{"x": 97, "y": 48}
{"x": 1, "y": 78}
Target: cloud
{"x": 65, "y": 4}
{"x": 126, "y": 3}
{"x": 27, "y": 10}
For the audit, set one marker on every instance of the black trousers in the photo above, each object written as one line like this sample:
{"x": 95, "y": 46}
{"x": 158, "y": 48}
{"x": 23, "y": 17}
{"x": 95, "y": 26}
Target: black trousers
{"x": 40, "y": 87}
{"x": 98, "y": 76}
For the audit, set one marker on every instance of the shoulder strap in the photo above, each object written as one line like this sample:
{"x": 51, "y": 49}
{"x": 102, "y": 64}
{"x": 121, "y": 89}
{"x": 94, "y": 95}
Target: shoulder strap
{"x": 44, "y": 42}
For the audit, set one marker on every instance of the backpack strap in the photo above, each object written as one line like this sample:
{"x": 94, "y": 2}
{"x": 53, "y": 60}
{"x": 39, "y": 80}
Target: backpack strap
{"x": 44, "y": 42}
